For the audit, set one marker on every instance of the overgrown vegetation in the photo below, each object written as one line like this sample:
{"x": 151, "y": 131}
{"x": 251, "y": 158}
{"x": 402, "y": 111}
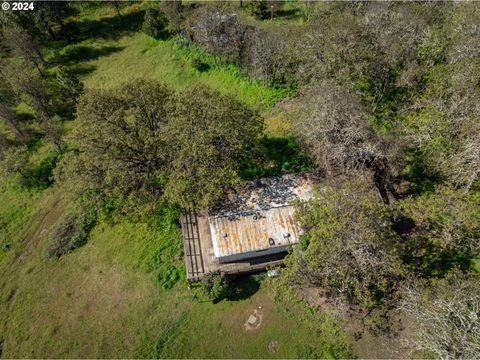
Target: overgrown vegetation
{"x": 382, "y": 103}
{"x": 71, "y": 233}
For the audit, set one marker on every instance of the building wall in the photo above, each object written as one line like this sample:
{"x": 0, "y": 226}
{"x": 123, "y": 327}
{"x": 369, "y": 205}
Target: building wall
{"x": 253, "y": 254}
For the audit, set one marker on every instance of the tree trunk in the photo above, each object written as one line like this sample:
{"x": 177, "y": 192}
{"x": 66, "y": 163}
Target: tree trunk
{"x": 382, "y": 183}
{"x": 11, "y": 119}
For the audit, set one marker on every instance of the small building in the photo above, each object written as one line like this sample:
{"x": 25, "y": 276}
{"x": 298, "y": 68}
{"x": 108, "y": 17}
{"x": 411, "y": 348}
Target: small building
{"x": 252, "y": 228}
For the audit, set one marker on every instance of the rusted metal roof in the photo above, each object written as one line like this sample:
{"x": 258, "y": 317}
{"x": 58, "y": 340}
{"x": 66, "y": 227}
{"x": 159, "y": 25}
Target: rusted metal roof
{"x": 259, "y": 216}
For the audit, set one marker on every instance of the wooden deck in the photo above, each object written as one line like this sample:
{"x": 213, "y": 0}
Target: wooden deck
{"x": 192, "y": 247}
{"x": 199, "y": 256}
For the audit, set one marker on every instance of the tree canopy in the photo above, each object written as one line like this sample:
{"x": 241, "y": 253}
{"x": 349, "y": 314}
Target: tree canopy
{"x": 144, "y": 142}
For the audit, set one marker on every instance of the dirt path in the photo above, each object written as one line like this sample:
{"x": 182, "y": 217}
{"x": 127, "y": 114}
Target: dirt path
{"x": 41, "y": 222}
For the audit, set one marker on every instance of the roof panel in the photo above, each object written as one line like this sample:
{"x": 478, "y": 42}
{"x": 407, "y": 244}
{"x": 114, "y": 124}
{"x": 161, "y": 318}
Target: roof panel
{"x": 263, "y": 194}
{"x": 251, "y": 233}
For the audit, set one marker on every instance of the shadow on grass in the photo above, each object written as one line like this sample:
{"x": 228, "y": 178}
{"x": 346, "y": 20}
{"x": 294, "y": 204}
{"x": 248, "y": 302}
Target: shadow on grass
{"x": 436, "y": 262}
{"x": 276, "y": 156}
{"x": 85, "y": 53}
{"x": 287, "y": 14}
{"x": 106, "y": 28}
{"x": 418, "y": 173}
{"x": 40, "y": 176}
{"x": 80, "y": 70}
{"x": 244, "y": 286}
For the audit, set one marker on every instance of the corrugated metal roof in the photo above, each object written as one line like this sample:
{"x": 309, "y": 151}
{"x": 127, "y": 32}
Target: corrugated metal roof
{"x": 265, "y": 193}
{"x": 259, "y": 216}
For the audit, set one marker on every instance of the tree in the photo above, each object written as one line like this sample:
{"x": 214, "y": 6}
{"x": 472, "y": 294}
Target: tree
{"x": 443, "y": 120}
{"x": 14, "y": 160}
{"x": 173, "y": 12}
{"x": 215, "y": 287}
{"x": 29, "y": 87}
{"x": 447, "y": 316}
{"x": 53, "y": 130}
{"x": 69, "y": 84}
{"x": 210, "y": 134}
{"x": 219, "y": 32}
{"x": 155, "y": 23}
{"x": 144, "y": 143}
{"x": 116, "y": 5}
{"x": 47, "y": 15}
{"x": 333, "y": 125}
{"x": 120, "y": 136}
{"x": 447, "y": 224}
{"x": 24, "y": 45}
{"x": 7, "y": 99}
{"x": 258, "y": 8}
{"x": 10, "y": 118}
{"x": 347, "y": 249}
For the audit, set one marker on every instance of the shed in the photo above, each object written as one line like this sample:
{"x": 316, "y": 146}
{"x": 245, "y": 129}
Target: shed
{"x": 251, "y": 228}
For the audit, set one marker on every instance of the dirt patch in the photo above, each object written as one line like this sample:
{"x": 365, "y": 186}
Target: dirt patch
{"x": 254, "y": 320}
{"x": 365, "y": 345}
{"x": 387, "y": 347}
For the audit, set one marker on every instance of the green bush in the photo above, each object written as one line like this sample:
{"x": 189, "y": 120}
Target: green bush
{"x": 71, "y": 233}
{"x": 258, "y": 9}
{"x": 155, "y": 24}
{"x": 214, "y": 286}
{"x": 168, "y": 277}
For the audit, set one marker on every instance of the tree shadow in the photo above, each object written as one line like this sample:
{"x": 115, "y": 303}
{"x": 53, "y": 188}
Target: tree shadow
{"x": 40, "y": 176}
{"x": 275, "y": 156}
{"x": 435, "y": 262}
{"x": 287, "y": 14}
{"x": 85, "y": 53}
{"x": 105, "y": 28}
{"x": 244, "y": 286}
{"x": 421, "y": 178}
{"x": 80, "y": 70}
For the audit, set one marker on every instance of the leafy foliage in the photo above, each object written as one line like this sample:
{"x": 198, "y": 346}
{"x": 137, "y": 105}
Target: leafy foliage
{"x": 447, "y": 231}
{"x": 215, "y": 287}
{"x": 212, "y": 133}
{"x": 258, "y": 8}
{"x": 447, "y": 316}
{"x": 347, "y": 249}
{"x": 71, "y": 233}
{"x": 158, "y": 144}
{"x": 155, "y": 23}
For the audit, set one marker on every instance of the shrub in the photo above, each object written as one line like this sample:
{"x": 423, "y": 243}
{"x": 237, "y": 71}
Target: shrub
{"x": 215, "y": 287}
{"x": 71, "y": 233}
{"x": 168, "y": 277}
{"x": 258, "y": 9}
{"x": 155, "y": 24}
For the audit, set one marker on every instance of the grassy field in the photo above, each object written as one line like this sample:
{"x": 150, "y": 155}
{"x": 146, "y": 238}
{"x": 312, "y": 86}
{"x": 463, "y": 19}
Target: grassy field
{"x": 102, "y": 300}
{"x": 109, "y": 298}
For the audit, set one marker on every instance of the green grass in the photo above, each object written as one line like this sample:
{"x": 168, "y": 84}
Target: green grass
{"x": 138, "y": 56}
{"x": 15, "y": 211}
{"x": 102, "y": 301}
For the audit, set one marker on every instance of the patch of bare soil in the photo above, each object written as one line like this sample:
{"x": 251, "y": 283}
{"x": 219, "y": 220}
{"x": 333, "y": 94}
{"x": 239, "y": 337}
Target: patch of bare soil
{"x": 258, "y": 304}
{"x": 254, "y": 320}
{"x": 394, "y": 346}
